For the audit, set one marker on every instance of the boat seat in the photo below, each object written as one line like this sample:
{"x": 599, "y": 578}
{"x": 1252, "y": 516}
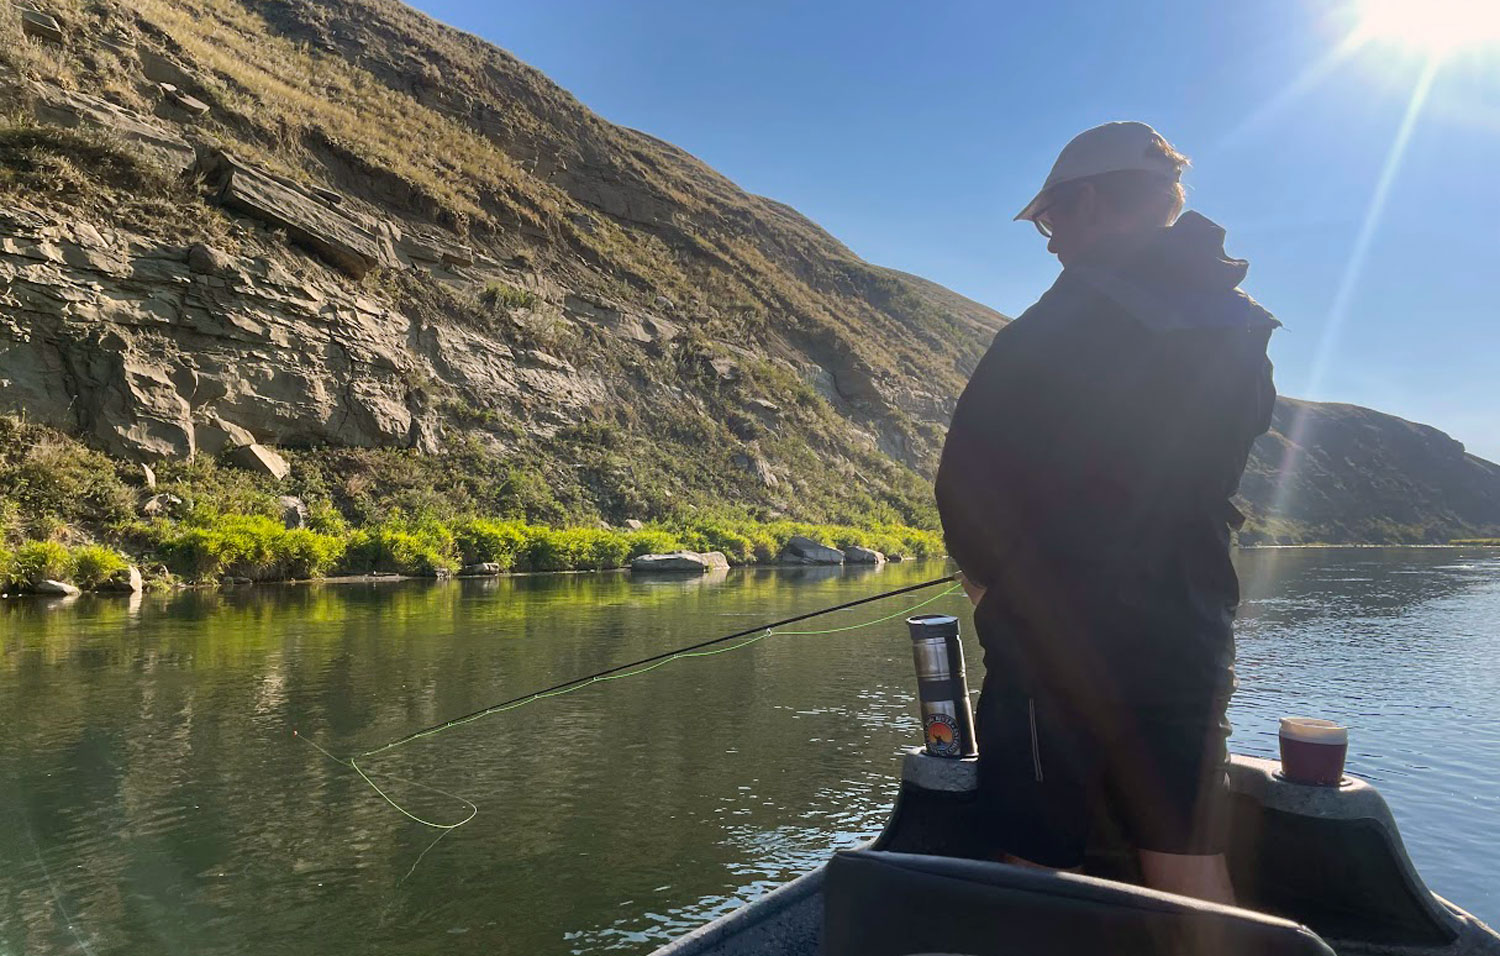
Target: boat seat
{"x": 879, "y": 903}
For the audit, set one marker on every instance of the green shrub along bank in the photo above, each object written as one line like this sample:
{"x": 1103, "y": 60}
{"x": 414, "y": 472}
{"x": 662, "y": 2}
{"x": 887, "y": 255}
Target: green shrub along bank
{"x": 87, "y": 566}
{"x": 1485, "y": 542}
{"x": 517, "y": 546}
{"x": 94, "y": 565}
{"x": 70, "y": 513}
{"x": 205, "y": 548}
{"x": 250, "y": 546}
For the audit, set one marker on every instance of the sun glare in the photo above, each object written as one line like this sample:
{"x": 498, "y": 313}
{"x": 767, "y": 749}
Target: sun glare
{"x": 1436, "y": 28}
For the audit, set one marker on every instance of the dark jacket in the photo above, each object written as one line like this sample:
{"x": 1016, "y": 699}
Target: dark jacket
{"x": 1087, "y": 473}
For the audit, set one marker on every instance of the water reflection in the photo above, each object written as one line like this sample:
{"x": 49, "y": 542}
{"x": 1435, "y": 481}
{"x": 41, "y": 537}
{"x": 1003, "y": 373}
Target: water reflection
{"x": 1403, "y": 646}
{"x": 161, "y": 804}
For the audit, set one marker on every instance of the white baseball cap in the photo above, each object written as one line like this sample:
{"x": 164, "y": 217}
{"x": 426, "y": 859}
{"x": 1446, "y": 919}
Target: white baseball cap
{"x": 1105, "y": 149}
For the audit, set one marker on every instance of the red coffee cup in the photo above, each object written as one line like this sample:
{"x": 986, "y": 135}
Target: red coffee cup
{"x": 1313, "y": 751}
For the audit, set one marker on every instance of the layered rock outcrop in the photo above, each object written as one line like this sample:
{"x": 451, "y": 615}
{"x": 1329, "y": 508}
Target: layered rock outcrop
{"x": 73, "y": 109}
{"x": 310, "y": 220}
{"x": 152, "y": 350}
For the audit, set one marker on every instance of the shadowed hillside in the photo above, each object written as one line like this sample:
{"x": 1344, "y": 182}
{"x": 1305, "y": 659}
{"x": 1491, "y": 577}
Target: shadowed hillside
{"x": 1342, "y": 473}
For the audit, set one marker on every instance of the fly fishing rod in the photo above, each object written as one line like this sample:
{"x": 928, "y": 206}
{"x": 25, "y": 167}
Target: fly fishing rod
{"x": 701, "y": 649}
{"x": 643, "y": 662}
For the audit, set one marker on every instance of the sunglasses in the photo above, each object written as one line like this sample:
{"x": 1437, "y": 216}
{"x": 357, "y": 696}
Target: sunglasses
{"x": 1043, "y": 225}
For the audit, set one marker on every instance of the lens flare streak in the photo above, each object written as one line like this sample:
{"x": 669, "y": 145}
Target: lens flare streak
{"x": 1349, "y": 281}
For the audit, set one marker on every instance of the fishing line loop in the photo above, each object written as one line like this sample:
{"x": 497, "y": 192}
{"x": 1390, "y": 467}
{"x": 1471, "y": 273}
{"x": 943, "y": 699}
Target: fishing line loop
{"x": 631, "y": 669}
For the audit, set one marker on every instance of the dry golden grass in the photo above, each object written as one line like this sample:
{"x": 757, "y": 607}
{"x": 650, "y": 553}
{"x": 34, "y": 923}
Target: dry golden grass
{"x": 88, "y": 173}
{"x": 744, "y": 273}
{"x": 32, "y": 58}
{"x": 276, "y": 83}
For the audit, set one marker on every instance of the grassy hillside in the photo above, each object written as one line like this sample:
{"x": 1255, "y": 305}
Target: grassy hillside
{"x": 571, "y": 322}
{"x": 786, "y": 359}
{"x": 73, "y": 514}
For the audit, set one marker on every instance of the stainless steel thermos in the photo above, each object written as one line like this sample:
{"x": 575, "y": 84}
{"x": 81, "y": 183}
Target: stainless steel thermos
{"x": 947, "y": 717}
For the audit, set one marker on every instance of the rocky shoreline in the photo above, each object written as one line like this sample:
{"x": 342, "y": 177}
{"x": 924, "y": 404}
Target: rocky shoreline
{"x": 60, "y": 589}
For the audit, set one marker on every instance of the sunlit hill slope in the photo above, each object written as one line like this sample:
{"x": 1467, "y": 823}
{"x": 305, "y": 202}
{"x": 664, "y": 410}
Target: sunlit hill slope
{"x": 409, "y": 265}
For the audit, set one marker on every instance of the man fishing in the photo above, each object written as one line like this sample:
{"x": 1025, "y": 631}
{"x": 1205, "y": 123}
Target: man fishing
{"x": 1085, "y": 492}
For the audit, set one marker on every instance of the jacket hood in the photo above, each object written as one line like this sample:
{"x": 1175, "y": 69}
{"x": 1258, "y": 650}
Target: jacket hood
{"x": 1179, "y": 277}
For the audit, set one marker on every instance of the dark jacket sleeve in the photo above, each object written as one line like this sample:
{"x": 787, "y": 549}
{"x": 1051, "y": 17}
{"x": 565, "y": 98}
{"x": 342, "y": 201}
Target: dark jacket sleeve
{"x": 1218, "y": 399}
{"x": 983, "y": 471}
{"x": 965, "y": 504}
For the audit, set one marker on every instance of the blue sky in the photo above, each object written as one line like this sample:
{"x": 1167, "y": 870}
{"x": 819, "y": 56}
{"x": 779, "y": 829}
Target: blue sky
{"x": 914, "y": 131}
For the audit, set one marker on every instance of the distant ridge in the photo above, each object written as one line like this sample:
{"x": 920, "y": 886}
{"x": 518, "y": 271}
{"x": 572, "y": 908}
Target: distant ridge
{"x": 1342, "y": 473}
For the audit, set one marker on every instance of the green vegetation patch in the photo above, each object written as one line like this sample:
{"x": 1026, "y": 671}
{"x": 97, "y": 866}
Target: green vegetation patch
{"x": 37, "y": 561}
{"x": 73, "y": 514}
{"x": 52, "y": 483}
{"x": 501, "y": 295}
{"x": 249, "y": 546}
{"x": 260, "y": 548}
{"x": 88, "y": 566}
{"x": 94, "y": 565}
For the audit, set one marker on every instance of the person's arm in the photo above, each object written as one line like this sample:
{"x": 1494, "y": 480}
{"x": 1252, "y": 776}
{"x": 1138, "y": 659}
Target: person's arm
{"x": 985, "y": 458}
{"x": 1233, "y": 407}
{"x": 967, "y": 475}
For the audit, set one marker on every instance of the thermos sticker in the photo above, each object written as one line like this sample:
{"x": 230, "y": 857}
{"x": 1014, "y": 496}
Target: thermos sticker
{"x": 942, "y": 736}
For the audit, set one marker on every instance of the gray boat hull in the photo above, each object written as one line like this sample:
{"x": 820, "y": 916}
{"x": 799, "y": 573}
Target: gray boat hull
{"x": 1330, "y": 859}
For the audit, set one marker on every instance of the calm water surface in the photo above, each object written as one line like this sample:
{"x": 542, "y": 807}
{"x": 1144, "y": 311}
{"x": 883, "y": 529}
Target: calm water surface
{"x": 154, "y": 799}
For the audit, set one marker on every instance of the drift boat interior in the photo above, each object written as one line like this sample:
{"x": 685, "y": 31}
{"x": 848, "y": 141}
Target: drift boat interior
{"x": 1317, "y": 870}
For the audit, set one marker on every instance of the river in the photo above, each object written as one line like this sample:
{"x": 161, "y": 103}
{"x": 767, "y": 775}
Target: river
{"x": 155, "y": 799}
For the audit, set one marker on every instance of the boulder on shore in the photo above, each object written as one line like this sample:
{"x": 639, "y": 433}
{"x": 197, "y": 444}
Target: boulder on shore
{"x": 854, "y": 554}
{"x": 482, "y": 569}
{"x": 680, "y": 562}
{"x": 293, "y": 511}
{"x": 126, "y": 581}
{"x": 803, "y": 550}
{"x": 260, "y": 458}
{"x": 49, "y": 586}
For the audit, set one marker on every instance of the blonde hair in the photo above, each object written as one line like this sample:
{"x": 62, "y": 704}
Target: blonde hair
{"x": 1156, "y": 198}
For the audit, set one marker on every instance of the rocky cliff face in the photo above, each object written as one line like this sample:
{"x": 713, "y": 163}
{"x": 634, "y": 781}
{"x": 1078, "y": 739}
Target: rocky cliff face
{"x": 531, "y": 276}
{"x": 154, "y": 350}
{"x": 340, "y": 224}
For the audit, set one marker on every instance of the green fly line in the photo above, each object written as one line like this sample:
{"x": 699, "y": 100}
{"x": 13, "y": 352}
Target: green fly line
{"x": 633, "y": 669}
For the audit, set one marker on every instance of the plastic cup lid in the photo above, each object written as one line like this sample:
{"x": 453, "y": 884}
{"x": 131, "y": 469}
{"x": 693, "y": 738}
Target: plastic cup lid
{"x": 1314, "y": 730}
{"x": 925, "y": 626}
